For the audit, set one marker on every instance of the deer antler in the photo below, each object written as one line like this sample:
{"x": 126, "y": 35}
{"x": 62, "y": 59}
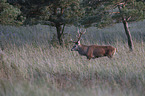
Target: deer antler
{"x": 79, "y": 36}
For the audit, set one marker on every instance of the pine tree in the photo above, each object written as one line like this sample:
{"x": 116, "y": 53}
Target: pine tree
{"x": 57, "y": 13}
{"x": 114, "y": 11}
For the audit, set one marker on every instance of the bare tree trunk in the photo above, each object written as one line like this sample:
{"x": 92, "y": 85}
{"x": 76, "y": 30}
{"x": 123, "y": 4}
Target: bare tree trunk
{"x": 130, "y": 42}
{"x": 1, "y": 45}
{"x": 127, "y": 31}
{"x": 60, "y": 32}
{"x": 58, "y": 29}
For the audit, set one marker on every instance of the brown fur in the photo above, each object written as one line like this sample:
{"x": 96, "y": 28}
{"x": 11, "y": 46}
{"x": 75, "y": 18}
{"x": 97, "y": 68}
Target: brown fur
{"x": 94, "y": 51}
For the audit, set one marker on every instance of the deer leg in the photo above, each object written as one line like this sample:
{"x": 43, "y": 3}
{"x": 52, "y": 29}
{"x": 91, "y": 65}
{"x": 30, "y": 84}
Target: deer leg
{"x": 111, "y": 54}
{"x": 89, "y": 56}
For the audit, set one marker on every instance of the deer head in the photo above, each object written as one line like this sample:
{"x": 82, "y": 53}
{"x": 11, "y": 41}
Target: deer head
{"x": 77, "y": 43}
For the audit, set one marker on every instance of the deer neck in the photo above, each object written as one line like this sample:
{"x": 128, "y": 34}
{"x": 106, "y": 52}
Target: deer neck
{"x": 83, "y": 49}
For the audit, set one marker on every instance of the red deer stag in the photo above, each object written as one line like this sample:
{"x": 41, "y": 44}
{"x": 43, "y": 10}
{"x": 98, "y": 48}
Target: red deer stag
{"x": 92, "y": 51}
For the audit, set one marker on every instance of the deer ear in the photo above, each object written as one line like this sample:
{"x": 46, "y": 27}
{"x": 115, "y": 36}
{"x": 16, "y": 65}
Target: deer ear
{"x": 79, "y": 42}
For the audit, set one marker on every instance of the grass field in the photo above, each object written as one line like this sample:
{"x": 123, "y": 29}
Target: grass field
{"x": 32, "y": 63}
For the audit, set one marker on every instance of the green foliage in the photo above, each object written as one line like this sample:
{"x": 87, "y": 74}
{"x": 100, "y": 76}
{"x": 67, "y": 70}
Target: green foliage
{"x": 84, "y": 12}
{"x": 3, "y": 1}
{"x": 134, "y": 11}
{"x": 8, "y": 14}
{"x": 50, "y": 12}
{"x": 108, "y": 13}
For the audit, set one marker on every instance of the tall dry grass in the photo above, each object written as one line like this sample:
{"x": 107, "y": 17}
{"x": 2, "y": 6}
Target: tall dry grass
{"x": 32, "y": 64}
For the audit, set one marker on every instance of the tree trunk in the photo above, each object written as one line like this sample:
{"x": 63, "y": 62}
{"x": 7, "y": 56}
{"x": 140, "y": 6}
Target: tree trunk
{"x": 1, "y": 45}
{"x": 60, "y": 32}
{"x": 130, "y": 42}
{"x": 59, "y": 29}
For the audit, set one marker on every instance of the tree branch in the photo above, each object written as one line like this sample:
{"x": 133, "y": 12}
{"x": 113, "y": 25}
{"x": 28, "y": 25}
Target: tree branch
{"x": 128, "y": 18}
{"x": 114, "y": 12}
